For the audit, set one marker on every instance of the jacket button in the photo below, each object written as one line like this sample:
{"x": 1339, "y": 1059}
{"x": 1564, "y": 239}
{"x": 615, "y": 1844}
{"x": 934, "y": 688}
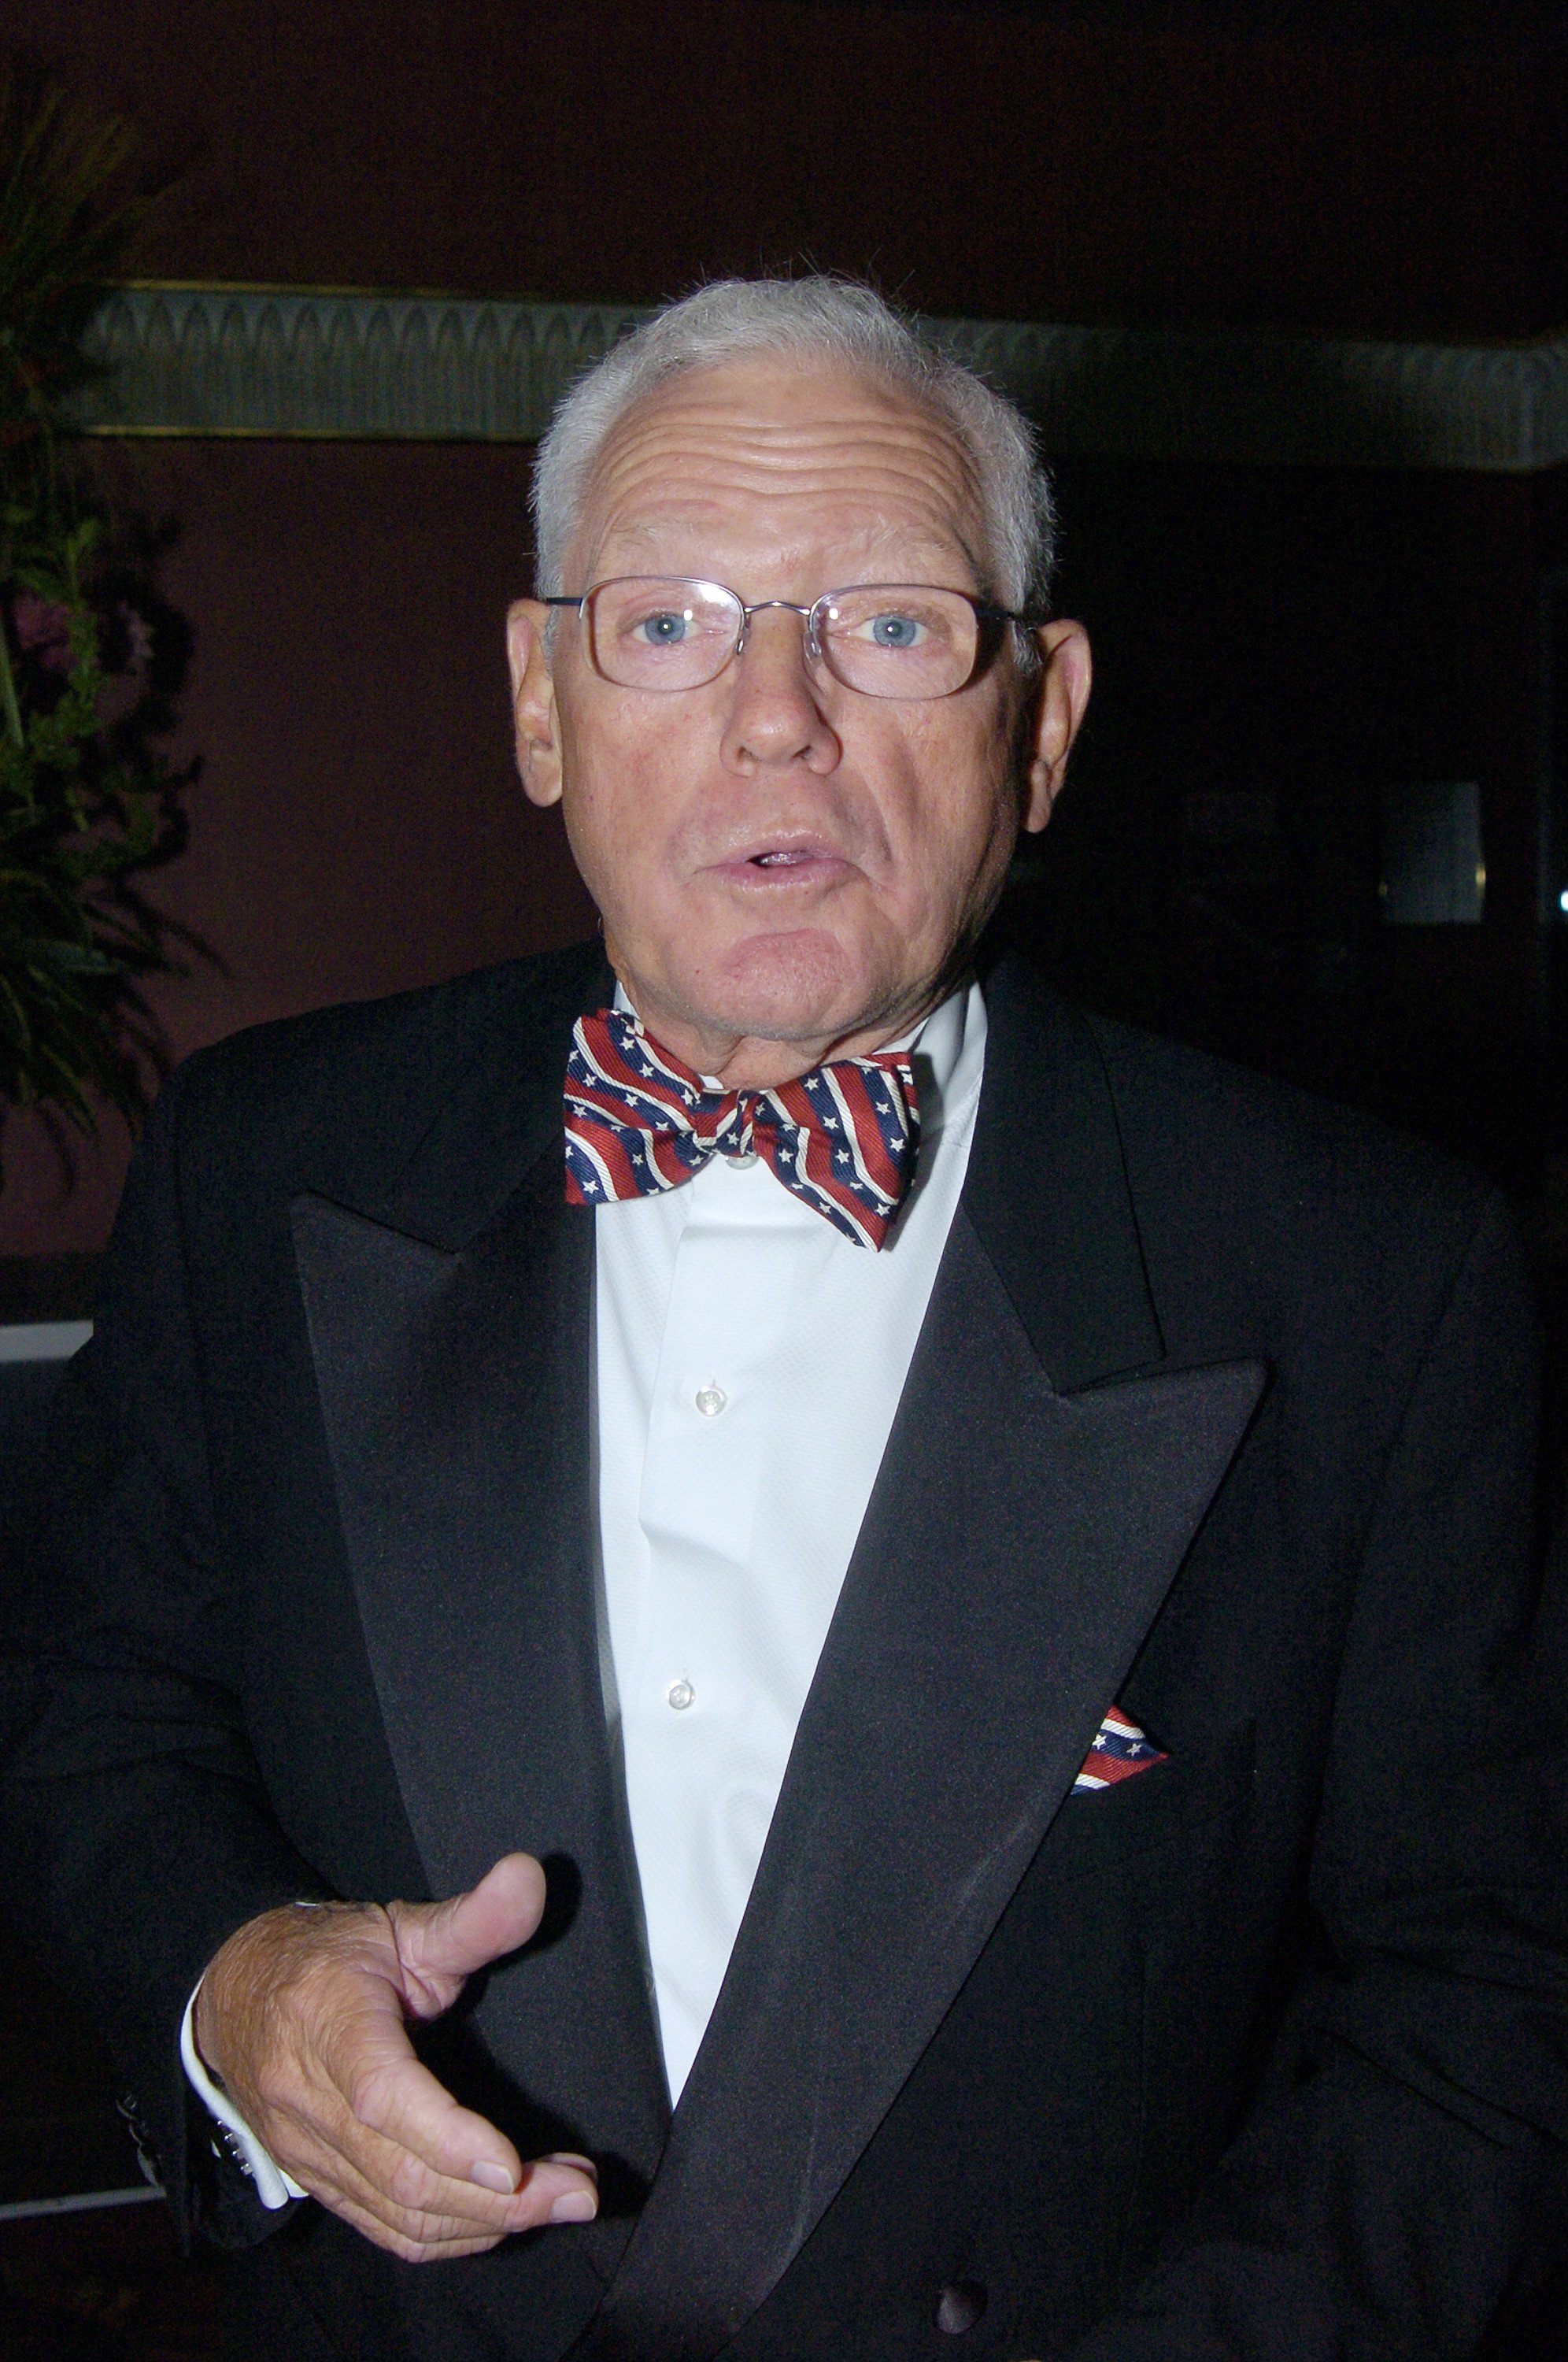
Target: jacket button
{"x": 959, "y": 2306}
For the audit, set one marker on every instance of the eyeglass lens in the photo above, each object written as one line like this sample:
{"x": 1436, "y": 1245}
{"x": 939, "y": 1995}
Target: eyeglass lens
{"x": 884, "y": 640}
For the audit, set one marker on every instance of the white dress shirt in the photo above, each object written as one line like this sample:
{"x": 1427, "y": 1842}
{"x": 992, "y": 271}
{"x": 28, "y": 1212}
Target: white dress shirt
{"x": 748, "y": 1363}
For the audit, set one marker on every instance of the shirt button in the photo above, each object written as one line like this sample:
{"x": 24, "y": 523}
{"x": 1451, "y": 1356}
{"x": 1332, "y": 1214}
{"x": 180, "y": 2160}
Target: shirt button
{"x": 710, "y": 1400}
{"x": 741, "y": 1157}
{"x": 680, "y": 1695}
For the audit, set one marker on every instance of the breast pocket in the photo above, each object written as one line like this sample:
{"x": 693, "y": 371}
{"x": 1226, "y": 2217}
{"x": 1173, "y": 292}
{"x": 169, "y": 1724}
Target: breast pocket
{"x": 1199, "y": 1787}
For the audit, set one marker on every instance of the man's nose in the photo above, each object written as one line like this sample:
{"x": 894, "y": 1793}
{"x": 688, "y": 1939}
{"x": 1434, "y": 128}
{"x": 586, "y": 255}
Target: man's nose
{"x": 775, "y": 713}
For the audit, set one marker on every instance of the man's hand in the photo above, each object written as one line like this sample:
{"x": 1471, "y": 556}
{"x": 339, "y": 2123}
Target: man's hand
{"x": 301, "y": 2017}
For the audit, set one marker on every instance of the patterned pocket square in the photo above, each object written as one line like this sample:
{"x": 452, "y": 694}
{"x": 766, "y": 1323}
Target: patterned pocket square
{"x": 1119, "y": 1749}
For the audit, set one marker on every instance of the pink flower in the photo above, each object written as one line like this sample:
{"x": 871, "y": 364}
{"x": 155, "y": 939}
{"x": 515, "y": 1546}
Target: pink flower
{"x": 43, "y": 630}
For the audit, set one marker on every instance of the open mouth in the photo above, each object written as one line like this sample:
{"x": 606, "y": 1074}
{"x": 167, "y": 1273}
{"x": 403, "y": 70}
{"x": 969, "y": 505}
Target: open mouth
{"x": 785, "y": 861}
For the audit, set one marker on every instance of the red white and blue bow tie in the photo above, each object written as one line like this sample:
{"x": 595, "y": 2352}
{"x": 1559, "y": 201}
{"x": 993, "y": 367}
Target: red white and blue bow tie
{"x": 843, "y": 1138}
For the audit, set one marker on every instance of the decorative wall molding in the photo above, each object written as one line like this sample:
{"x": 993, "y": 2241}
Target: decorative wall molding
{"x": 306, "y": 361}
{"x": 1279, "y": 401}
{"x": 286, "y": 361}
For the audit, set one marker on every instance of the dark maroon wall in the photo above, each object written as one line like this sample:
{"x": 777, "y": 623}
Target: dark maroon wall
{"x": 358, "y": 826}
{"x": 992, "y": 162}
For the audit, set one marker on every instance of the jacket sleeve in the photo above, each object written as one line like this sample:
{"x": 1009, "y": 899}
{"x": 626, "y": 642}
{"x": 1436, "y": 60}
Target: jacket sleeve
{"x": 134, "y": 1818}
{"x": 1398, "y": 2183}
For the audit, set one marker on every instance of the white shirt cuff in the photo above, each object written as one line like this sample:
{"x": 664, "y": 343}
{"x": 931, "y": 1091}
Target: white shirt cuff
{"x": 274, "y": 2186}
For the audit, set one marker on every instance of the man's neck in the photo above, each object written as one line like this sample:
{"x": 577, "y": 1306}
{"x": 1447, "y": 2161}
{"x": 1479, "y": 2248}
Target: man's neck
{"x": 744, "y": 1062}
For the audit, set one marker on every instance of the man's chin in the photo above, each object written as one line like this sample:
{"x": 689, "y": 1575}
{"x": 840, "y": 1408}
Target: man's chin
{"x": 797, "y": 987}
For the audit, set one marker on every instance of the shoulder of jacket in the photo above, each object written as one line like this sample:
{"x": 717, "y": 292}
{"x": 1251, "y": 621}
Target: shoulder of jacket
{"x": 426, "y": 1036}
{"x": 1232, "y": 1134}
{"x": 366, "y": 1079}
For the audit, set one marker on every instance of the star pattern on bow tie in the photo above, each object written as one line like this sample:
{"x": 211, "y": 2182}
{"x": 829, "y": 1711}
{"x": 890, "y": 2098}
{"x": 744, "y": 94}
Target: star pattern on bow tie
{"x": 843, "y": 1139}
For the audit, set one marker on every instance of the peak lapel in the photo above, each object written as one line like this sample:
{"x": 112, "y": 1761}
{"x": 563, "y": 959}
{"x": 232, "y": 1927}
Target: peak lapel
{"x": 1047, "y": 1188}
{"x": 453, "y": 1386}
{"x": 1017, "y": 1545}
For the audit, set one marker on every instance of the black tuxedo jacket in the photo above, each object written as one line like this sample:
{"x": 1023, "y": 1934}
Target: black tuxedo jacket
{"x": 1222, "y": 1410}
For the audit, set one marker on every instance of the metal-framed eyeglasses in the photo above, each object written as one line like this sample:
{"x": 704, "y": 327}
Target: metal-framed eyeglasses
{"x": 884, "y": 640}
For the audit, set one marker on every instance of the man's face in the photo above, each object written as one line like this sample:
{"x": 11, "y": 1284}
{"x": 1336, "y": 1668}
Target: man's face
{"x": 779, "y": 860}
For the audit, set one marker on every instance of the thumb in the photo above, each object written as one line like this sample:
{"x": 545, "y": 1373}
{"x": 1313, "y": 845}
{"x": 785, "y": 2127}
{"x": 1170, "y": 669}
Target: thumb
{"x": 441, "y": 1944}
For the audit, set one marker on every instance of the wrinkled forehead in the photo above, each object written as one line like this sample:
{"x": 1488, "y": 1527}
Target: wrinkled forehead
{"x": 779, "y": 465}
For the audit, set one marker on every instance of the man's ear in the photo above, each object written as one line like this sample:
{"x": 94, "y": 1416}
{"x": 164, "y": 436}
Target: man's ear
{"x": 534, "y": 716}
{"x": 1060, "y": 699}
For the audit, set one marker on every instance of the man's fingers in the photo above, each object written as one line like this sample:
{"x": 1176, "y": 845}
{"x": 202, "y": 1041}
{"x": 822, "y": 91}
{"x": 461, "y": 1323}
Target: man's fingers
{"x": 417, "y": 2212}
{"x": 392, "y": 2095}
{"x": 390, "y": 2091}
{"x": 352, "y": 2175}
{"x": 439, "y": 1944}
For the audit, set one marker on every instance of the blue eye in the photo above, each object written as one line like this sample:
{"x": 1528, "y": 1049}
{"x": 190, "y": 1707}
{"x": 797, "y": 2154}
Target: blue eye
{"x": 664, "y": 630}
{"x": 894, "y": 631}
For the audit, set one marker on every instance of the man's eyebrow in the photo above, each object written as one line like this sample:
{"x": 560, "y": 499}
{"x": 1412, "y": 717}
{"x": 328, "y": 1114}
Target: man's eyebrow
{"x": 921, "y": 548}
{"x": 874, "y": 538}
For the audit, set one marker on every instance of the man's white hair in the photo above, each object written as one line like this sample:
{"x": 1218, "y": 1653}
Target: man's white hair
{"x": 817, "y": 319}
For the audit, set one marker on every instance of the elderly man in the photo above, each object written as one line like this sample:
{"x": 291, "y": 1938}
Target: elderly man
{"x": 934, "y": 1592}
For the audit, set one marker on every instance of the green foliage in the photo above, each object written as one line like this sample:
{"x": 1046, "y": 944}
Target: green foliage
{"x": 65, "y": 221}
{"x": 87, "y": 802}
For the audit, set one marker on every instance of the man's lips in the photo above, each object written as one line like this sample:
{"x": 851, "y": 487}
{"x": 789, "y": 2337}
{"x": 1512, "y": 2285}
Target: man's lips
{"x": 765, "y": 865}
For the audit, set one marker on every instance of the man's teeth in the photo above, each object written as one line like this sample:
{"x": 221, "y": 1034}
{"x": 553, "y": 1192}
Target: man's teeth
{"x": 772, "y": 860}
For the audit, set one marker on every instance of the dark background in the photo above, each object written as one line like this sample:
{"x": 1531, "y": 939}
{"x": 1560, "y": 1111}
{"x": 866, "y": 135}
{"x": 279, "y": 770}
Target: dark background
{"x": 1306, "y": 639}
